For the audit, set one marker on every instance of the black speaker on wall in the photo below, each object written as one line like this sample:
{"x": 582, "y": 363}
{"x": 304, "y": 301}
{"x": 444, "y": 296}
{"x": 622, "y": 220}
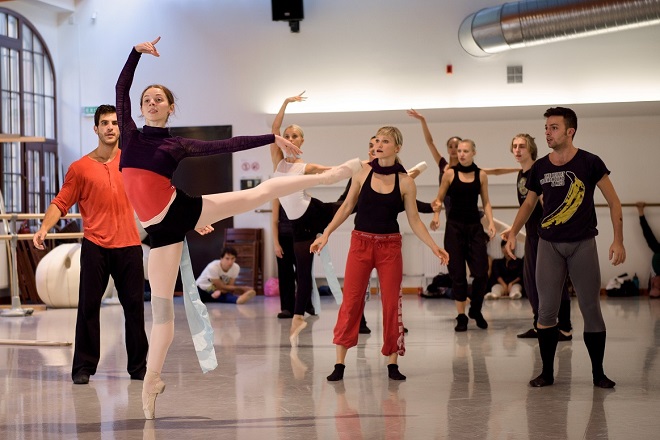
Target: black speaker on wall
{"x": 287, "y": 10}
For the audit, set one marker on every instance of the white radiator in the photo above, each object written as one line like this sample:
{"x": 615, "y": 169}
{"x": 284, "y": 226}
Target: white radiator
{"x": 338, "y": 246}
{"x": 432, "y": 265}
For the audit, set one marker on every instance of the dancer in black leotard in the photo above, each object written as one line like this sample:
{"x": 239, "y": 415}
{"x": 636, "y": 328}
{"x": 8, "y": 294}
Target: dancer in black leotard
{"x": 465, "y": 239}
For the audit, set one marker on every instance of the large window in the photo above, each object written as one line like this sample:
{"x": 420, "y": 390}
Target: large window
{"x": 27, "y": 113}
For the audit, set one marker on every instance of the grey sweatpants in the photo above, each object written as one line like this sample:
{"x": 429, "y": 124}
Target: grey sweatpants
{"x": 580, "y": 261}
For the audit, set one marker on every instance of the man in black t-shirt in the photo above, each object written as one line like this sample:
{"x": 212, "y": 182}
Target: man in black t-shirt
{"x": 567, "y": 179}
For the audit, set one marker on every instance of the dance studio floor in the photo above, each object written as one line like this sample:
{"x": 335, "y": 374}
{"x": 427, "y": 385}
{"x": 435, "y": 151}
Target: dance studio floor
{"x": 471, "y": 385}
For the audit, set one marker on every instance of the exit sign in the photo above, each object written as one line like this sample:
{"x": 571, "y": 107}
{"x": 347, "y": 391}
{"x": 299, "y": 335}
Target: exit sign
{"x": 89, "y": 111}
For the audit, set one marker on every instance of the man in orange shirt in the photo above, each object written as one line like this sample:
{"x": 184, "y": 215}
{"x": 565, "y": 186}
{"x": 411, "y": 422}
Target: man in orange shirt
{"x": 110, "y": 247}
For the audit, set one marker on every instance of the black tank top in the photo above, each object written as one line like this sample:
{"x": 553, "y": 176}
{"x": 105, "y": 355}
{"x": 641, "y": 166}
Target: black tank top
{"x": 377, "y": 213}
{"x": 464, "y": 199}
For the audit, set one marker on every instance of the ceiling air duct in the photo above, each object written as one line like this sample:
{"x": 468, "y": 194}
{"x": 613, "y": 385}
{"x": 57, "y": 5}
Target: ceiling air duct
{"x": 528, "y": 23}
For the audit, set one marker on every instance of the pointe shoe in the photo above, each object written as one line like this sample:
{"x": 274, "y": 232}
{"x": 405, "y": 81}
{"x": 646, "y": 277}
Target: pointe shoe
{"x": 341, "y": 172}
{"x": 152, "y": 387}
{"x": 293, "y": 336}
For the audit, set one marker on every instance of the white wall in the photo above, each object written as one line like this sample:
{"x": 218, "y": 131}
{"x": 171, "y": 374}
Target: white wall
{"x": 228, "y": 63}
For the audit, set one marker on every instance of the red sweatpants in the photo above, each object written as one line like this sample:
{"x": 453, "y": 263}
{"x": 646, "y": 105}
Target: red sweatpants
{"x": 369, "y": 251}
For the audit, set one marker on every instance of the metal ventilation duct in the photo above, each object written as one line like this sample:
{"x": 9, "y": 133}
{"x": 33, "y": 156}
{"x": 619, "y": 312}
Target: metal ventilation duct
{"x": 527, "y": 23}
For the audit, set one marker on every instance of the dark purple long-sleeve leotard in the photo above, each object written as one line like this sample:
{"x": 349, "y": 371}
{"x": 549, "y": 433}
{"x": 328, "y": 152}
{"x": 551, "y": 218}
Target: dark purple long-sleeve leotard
{"x": 150, "y": 157}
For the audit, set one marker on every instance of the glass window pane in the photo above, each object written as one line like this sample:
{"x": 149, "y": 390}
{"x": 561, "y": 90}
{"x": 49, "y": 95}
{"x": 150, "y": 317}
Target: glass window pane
{"x": 49, "y": 174}
{"x": 28, "y": 114}
{"x": 27, "y": 38}
{"x": 49, "y": 117}
{"x": 15, "y": 112}
{"x": 12, "y": 26}
{"x": 16, "y": 158}
{"x": 36, "y": 184}
{"x": 14, "y": 84}
{"x": 6, "y": 114}
{"x": 28, "y": 72}
{"x": 3, "y": 23}
{"x": 4, "y": 68}
{"x": 33, "y": 174}
{"x": 37, "y": 48}
{"x": 39, "y": 123}
{"x": 38, "y": 74}
{"x": 49, "y": 81}
{"x": 12, "y": 177}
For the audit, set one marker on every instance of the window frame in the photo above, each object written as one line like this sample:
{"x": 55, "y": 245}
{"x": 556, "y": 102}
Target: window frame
{"x": 37, "y": 184}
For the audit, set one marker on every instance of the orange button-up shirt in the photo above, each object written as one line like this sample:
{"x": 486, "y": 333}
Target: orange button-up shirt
{"x": 98, "y": 188}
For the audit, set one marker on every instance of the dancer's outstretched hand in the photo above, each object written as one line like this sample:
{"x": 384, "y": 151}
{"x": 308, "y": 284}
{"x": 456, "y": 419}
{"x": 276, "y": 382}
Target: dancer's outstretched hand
{"x": 287, "y": 147}
{"x": 148, "y": 47}
{"x": 318, "y": 244}
{"x": 297, "y": 98}
{"x": 413, "y": 113}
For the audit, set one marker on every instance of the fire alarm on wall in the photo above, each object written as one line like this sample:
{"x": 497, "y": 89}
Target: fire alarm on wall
{"x": 449, "y": 69}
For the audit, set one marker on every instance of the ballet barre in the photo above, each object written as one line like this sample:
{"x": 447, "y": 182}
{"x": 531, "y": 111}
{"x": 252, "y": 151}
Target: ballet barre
{"x": 12, "y": 236}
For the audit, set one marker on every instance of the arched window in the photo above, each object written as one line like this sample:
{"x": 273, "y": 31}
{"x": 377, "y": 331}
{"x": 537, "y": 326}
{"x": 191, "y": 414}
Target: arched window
{"x": 28, "y": 133}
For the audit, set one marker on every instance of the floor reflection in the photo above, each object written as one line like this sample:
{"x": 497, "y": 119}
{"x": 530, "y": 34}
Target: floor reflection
{"x": 460, "y": 386}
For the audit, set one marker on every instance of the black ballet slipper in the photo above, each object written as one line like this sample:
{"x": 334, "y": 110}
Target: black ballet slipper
{"x": 542, "y": 381}
{"x": 394, "y": 373}
{"x": 337, "y": 374}
{"x": 604, "y": 382}
{"x": 477, "y": 316}
{"x": 461, "y": 323}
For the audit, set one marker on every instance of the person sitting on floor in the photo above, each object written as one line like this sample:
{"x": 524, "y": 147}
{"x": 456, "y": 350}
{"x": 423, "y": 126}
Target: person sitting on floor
{"x": 216, "y": 283}
{"x": 506, "y": 277}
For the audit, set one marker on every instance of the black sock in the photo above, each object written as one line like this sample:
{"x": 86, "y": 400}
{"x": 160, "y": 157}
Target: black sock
{"x": 394, "y": 373}
{"x": 337, "y": 374}
{"x": 595, "y": 342}
{"x": 548, "y": 338}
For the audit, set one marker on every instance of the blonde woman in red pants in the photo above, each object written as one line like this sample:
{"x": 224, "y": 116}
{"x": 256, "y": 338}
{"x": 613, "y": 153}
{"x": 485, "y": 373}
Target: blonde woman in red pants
{"x": 379, "y": 192}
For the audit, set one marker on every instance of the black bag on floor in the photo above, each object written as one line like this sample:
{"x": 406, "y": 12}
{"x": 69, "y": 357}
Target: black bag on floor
{"x": 440, "y": 287}
{"x": 621, "y": 286}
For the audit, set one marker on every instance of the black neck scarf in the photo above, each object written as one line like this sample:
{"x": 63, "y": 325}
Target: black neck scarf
{"x": 466, "y": 169}
{"x": 396, "y": 168}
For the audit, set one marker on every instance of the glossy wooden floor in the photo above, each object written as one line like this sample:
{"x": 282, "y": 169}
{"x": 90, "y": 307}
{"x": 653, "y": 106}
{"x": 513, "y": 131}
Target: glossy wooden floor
{"x": 471, "y": 385}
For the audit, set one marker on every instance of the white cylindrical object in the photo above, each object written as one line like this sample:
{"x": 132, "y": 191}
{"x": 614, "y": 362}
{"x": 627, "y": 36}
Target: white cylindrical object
{"x": 58, "y": 277}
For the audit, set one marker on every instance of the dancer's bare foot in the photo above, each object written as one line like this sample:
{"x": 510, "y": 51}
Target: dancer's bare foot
{"x": 245, "y": 297}
{"x": 343, "y": 171}
{"x": 298, "y": 324}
